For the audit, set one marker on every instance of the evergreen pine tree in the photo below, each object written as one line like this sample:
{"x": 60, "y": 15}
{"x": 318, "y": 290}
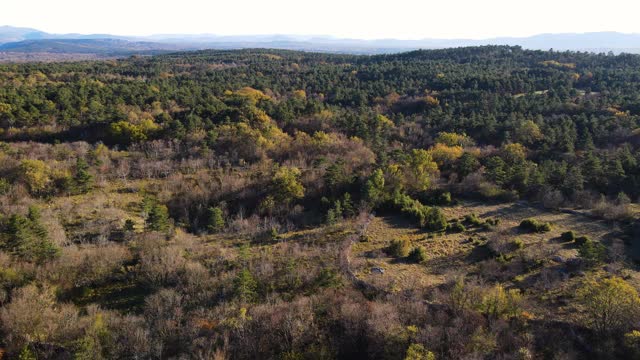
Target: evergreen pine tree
{"x": 83, "y": 179}
{"x": 245, "y": 286}
{"x": 158, "y": 219}
{"x": 215, "y": 220}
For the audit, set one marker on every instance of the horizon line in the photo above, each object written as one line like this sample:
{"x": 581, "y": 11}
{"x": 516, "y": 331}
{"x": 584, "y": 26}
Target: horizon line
{"x": 311, "y": 35}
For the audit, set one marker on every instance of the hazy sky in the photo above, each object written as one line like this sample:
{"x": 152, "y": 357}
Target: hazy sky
{"x": 406, "y": 19}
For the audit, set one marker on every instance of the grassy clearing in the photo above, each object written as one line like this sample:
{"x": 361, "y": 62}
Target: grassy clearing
{"x": 467, "y": 252}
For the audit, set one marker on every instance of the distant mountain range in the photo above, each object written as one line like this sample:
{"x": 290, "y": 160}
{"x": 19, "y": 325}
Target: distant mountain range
{"x": 32, "y": 44}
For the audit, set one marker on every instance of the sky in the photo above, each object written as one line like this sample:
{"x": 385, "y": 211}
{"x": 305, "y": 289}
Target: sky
{"x": 362, "y": 19}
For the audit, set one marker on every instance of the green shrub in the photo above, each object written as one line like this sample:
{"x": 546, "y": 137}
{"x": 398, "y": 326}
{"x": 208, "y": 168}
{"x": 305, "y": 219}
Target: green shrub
{"x": 581, "y": 240}
{"x": 444, "y": 198}
{"x": 434, "y": 219}
{"x": 27, "y": 238}
{"x": 417, "y": 351}
{"x": 5, "y": 186}
{"x": 83, "y": 180}
{"x": 430, "y": 218}
{"x": 418, "y": 254}
{"x": 399, "y": 248}
{"x": 129, "y": 225}
{"x": 245, "y": 286}
{"x": 158, "y": 219}
{"x": 273, "y": 234}
{"x": 568, "y": 236}
{"x": 487, "y": 225}
{"x": 503, "y": 258}
{"x": 518, "y": 244}
{"x": 533, "y": 225}
{"x": 331, "y": 218}
{"x": 215, "y": 219}
{"x": 592, "y": 252}
{"x": 456, "y": 227}
{"x": 473, "y": 219}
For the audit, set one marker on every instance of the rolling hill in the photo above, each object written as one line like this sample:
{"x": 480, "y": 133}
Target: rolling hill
{"x": 29, "y": 44}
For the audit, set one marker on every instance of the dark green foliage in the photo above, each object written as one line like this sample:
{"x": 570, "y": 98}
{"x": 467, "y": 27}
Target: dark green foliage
{"x": 418, "y": 255}
{"x": 444, "y": 198}
{"x": 336, "y": 212}
{"x": 568, "y": 236}
{"x": 592, "y": 252}
{"x": 329, "y": 278}
{"x": 374, "y": 191}
{"x": 518, "y": 244}
{"x": 497, "y": 170}
{"x": 348, "y": 209}
{"x": 147, "y": 204}
{"x": 158, "y": 219}
{"x": 5, "y": 186}
{"x": 128, "y": 225}
{"x": 215, "y": 221}
{"x": 273, "y": 234}
{"x": 532, "y": 225}
{"x": 473, "y": 219}
{"x": 430, "y": 218}
{"x": 581, "y": 240}
{"x": 83, "y": 180}
{"x": 331, "y": 218}
{"x": 487, "y": 224}
{"x": 493, "y": 222}
{"x": 336, "y": 177}
{"x": 434, "y": 219}
{"x": 456, "y": 227}
{"x": 467, "y": 164}
{"x": 245, "y": 286}
{"x": 399, "y": 248}
{"x": 25, "y": 237}
{"x": 438, "y": 197}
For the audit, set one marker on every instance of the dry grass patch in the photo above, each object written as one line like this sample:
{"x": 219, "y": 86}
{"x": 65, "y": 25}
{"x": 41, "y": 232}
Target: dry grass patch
{"x": 465, "y": 251}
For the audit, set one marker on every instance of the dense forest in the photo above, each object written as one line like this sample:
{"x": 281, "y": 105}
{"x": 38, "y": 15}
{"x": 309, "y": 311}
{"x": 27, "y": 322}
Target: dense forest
{"x": 463, "y": 203}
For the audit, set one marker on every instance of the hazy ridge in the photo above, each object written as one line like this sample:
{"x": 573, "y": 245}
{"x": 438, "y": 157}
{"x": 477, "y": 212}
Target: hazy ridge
{"x": 32, "y": 44}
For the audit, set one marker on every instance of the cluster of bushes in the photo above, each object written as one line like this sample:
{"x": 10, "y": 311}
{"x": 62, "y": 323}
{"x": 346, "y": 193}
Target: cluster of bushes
{"x": 399, "y": 248}
{"x": 533, "y": 225}
{"x": 456, "y": 227}
{"x": 474, "y": 220}
{"x": 428, "y": 217}
{"x": 340, "y": 208}
{"x": 590, "y": 251}
{"x": 402, "y": 249}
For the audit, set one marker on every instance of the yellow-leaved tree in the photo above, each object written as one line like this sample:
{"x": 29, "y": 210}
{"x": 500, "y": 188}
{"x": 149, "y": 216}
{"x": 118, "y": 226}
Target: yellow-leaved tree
{"x": 445, "y": 154}
{"x": 453, "y": 139}
{"x": 286, "y": 184}
{"x": 419, "y": 170}
{"x": 35, "y": 174}
{"x": 611, "y": 305}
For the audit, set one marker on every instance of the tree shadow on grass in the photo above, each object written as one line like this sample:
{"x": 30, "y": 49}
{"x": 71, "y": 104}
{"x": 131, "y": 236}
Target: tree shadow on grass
{"x": 125, "y": 296}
